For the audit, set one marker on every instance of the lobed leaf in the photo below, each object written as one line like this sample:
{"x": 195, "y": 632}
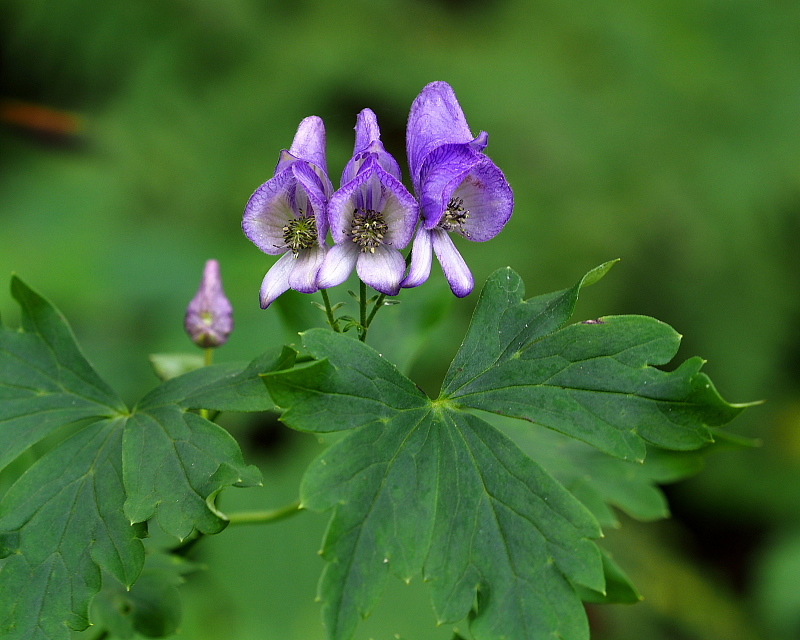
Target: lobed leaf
{"x": 427, "y": 486}
{"x": 62, "y": 523}
{"x": 45, "y": 381}
{"x": 59, "y": 523}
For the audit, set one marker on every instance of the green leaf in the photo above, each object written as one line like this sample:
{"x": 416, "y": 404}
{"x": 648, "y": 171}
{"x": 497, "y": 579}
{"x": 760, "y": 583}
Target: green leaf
{"x": 594, "y": 381}
{"x": 422, "y": 486}
{"x": 602, "y": 481}
{"x": 171, "y": 365}
{"x": 619, "y": 589}
{"x": 152, "y": 607}
{"x": 79, "y": 510}
{"x": 45, "y": 382}
{"x": 59, "y": 523}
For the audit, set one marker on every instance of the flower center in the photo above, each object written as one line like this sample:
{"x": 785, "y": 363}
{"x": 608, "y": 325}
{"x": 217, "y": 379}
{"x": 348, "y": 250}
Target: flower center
{"x": 455, "y": 216}
{"x": 300, "y": 233}
{"x": 367, "y": 229}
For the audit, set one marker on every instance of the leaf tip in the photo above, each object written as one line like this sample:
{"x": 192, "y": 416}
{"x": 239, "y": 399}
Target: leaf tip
{"x": 745, "y": 405}
{"x": 597, "y": 273}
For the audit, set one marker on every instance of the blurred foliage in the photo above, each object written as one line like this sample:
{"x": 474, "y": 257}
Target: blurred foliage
{"x": 663, "y": 132}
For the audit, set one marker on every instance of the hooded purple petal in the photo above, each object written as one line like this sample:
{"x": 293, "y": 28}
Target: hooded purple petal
{"x": 268, "y": 211}
{"x": 367, "y": 130}
{"x": 421, "y": 258}
{"x": 382, "y": 270}
{"x": 309, "y": 142}
{"x": 303, "y": 277}
{"x": 374, "y": 189}
{"x": 209, "y": 316}
{"x": 368, "y": 144}
{"x": 338, "y": 265}
{"x": 276, "y": 281}
{"x": 316, "y": 194}
{"x": 436, "y": 118}
{"x": 456, "y": 176}
{"x": 455, "y": 269}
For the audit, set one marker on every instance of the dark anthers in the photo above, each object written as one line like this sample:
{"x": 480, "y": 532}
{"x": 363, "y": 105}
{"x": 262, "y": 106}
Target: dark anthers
{"x": 455, "y": 216}
{"x": 367, "y": 229}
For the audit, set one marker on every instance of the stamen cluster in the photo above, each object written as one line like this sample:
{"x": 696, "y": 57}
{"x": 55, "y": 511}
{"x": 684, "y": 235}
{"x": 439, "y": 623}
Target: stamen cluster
{"x": 455, "y": 216}
{"x": 300, "y": 233}
{"x": 367, "y": 229}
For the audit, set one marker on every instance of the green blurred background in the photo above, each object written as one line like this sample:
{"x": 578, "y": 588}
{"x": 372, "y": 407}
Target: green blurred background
{"x": 662, "y": 132}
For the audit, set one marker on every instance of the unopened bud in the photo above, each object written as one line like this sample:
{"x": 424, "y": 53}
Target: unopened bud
{"x": 209, "y": 316}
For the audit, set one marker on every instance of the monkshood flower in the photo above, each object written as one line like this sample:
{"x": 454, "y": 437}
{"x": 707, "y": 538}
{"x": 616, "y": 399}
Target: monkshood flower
{"x": 287, "y": 214}
{"x": 209, "y": 316}
{"x": 372, "y": 216}
{"x": 459, "y": 188}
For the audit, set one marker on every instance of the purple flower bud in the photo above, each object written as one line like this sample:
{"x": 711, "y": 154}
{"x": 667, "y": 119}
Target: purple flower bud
{"x": 209, "y": 316}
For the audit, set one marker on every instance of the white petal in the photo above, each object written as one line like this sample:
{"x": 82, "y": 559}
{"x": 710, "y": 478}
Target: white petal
{"x": 276, "y": 281}
{"x": 455, "y": 269}
{"x": 382, "y": 270}
{"x": 421, "y": 258}
{"x": 303, "y": 277}
{"x": 338, "y": 264}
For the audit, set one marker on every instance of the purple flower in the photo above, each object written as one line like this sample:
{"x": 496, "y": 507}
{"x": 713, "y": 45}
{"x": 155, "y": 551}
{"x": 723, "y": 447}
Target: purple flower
{"x": 372, "y": 216}
{"x": 287, "y": 214}
{"x": 209, "y": 316}
{"x": 460, "y": 189}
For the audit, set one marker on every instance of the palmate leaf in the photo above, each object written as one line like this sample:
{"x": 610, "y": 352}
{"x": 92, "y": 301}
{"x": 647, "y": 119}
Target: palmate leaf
{"x": 422, "y": 485}
{"x": 80, "y": 508}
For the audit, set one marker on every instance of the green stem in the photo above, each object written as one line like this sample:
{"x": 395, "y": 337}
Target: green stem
{"x": 102, "y": 635}
{"x": 378, "y": 304}
{"x": 333, "y": 322}
{"x": 362, "y": 303}
{"x": 208, "y": 356}
{"x": 241, "y": 517}
{"x": 264, "y": 517}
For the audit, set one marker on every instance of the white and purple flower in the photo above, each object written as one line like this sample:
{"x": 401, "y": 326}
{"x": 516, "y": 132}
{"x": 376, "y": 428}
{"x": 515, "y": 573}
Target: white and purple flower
{"x": 372, "y": 216}
{"x": 460, "y": 189}
{"x": 288, "y": 214}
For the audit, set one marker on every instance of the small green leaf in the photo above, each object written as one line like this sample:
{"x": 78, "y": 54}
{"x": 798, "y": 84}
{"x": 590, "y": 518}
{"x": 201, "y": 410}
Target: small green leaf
{"x": 152, "y": 607}
{"x": 602, "y": 481}
{"x": 171, "y": 365}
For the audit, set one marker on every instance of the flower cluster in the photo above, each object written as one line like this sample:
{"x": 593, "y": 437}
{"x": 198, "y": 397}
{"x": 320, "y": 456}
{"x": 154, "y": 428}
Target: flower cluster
{"x": 372, "y": 215}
